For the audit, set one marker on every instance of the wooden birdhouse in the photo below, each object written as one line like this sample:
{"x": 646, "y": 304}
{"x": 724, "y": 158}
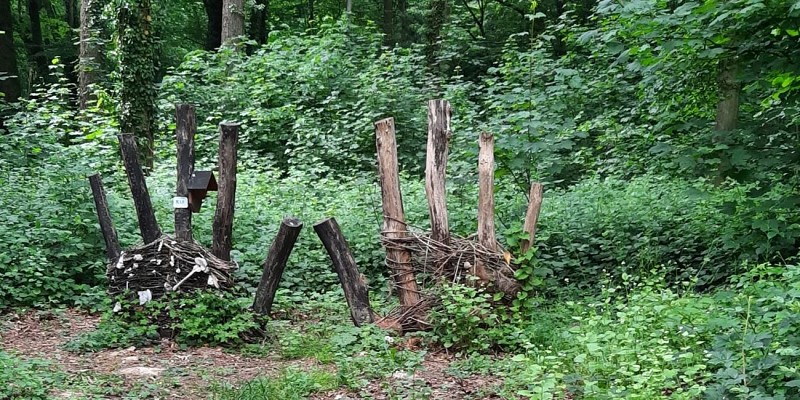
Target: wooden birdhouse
{"x": 201, "y": 183}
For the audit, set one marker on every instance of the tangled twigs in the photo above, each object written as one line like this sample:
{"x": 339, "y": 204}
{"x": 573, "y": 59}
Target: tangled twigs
{"x": 168, "y": 265}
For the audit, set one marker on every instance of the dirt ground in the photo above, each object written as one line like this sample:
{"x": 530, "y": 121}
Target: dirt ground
{"x": 168, "y": 372}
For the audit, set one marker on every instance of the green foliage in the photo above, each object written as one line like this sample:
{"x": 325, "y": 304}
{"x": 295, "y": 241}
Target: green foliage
{"x": 211, "y": 318}
{"x": 25, "y": 379}
{"x": 290, "y": 384}
{"x": 467, "y": 319}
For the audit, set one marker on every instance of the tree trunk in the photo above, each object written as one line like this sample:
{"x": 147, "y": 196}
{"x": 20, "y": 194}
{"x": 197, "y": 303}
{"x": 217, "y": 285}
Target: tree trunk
{"x": 404, "y": 23}
{"x": 436, "y": 19}
{"x": 36, "y": 47}
{"x": 259, "y": 21}
{"x": 353, "y": 283}
{"x": 226, "y": 196}
{"x": 394, "y": 226}
{"x": 349, "y": 6}
{"x": 310, "y": 10}
{"x": 185, "y": 129}
{"x": 232, "y": 20}
{"x": 104, "y": 218}
{"x": 10, "y": 86}
{"x": 486, "y": 230}
{"x": 439, "y": 112}
{"x": 70, "y": 13}
{"x": 727, "y": 111}
{"x": 214, "y": 26}
{"x": 275, "y": 264}
{"x": 388, "y": 23}
{"x": 532, "y": 216}
{"x": 141, "y": 196}
{"x": 89, "y": 55}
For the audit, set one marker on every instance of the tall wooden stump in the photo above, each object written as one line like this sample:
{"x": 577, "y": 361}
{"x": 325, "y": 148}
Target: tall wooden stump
{"x": 141, "y": 197}
{"x": 435, "y": 168}
{"x": 104, "y": 217}
{"x": 394, "y": 226}
{"x": 355, "y": 290}
{"x": 226, "y": 196}
{"x": 186, "y": 127}
{"x": 532, "y": 215}
{"x": 275, "y": 264}
{"x": 486, "y": 230}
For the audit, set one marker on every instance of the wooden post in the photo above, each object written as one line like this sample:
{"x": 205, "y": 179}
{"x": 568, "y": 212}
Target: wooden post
{"x": 355, "y": 289}
{"x": 275, "y": 264}
{"x": 104, "y": 217}
{"x": 435, "y": 168}
{"x": 226, "y": 196}
{"x": 486, "y": 232}
{"x": 394, "y": 226}
{"x": 532, "y": 215}
{"x": 141, "y": 197}
{"x": 186, "y": 127}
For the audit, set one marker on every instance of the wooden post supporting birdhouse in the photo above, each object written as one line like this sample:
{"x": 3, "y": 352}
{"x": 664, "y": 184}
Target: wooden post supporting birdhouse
{"x": 185, "y": 128}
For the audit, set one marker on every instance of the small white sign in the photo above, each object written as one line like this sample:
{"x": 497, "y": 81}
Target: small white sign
{"x": 180, "y": 202}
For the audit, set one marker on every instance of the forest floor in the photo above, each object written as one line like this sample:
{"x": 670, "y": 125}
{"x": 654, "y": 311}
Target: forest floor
{"x": 167, "y": 371}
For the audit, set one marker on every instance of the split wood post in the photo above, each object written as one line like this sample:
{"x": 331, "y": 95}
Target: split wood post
{"x": 532, "y": 215}
{"x": 226, "y": 196}
{"x": 186, "y": 127}
{"x": 486, "y": 232}
{"x": 275, "y": 264}
{"x": 439, "y": 112}
{"x": 355, "y": 289}
{"x": 104, "y": 217}
{"x": 394, "y": 226}
{"x": 141, "y": 197}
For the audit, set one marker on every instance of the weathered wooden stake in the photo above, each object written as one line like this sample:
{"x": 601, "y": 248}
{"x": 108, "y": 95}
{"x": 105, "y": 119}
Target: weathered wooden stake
{"x": 355, "y": 289}
{"x": 394, "y": 226}
{"x": 141, "y": 197}
{"x": 226, "y": 197}
{"x": 532, "y": 215}
{"x": 104, "y": 217}
{"x": 275, "y": 264}
{"x": 439, "y": 112}
{"x": 186, "y": 127}
{"x": 486, "y": 232}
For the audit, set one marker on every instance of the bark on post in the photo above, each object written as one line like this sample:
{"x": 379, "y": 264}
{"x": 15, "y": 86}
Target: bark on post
{"x": 226, "y": 196}
{"x": 355, "y": 289}
{"x": 532, "y": 216}
{"x": 275, "y": 264}
{"x": 486, "y": 232}
{"x": 186, "y": 127}
{"x": 141, "y": 197}
{"x": 436, "y": 168}
{"x": 394, "y": 226}
{"x": 104, "y": 217}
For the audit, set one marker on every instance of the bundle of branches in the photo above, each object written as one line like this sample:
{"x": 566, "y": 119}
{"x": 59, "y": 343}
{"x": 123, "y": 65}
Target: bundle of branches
{"x": 167, "y": 265}
{"x": 453, "y": 261}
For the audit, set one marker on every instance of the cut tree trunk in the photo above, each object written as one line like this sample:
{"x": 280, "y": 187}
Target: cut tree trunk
{"x": 439, "y": 112}
{"x": 486, "y": 230}
{"x": 104, "y": 217}
{"x": 226, "y": 196}
{"x": 186, "y": 127}
{"x": 532, "y": 216}
{"x": 394, "y": 226}
{"x": 353, "y": 283}
{"x": 141, "y": 197}
{"x": 275, "y": 264}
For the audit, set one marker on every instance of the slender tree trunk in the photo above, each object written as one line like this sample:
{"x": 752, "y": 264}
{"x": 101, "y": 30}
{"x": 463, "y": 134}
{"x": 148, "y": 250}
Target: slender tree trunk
{"x": 559, "y": 47}
{"x": 388, "y": 23}
{"x": 214, "y": 27}
{"x": 349, "y": 6}
{"x": 89, "y": 55}
{"x": 404, "y": 28}
{"x": 71, "y": 13}
{"x": 436, "y": 19}
{"x": 259, "y": 21}
{"x": 232, "y": 19}
{"x": 9, "y": 86}
{"x": 36, "y": 48}
{"x": 727, "y": 111}
{"x": 310, "y": 10}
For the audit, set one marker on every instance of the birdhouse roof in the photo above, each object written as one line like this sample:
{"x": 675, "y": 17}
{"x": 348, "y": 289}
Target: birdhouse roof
{"x": 203, "y": 180}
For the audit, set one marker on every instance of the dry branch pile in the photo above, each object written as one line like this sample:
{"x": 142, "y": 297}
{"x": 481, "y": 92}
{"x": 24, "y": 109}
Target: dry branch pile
{"x": 167, "y": 265}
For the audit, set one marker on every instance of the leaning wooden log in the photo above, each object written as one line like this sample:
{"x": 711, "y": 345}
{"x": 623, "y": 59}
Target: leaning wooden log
{"x": 141, "y": 197}
{"x": 532, "y": 216}
{"x": 104, "y": 217}
{"x": 435, "y": 168}
{"x": 275, "y": 264}
{"x": 186, "y": 127}
{"x": 226, "y": 196}
{"x": 355, "y": 289}
{"x": 394, "y": 226}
